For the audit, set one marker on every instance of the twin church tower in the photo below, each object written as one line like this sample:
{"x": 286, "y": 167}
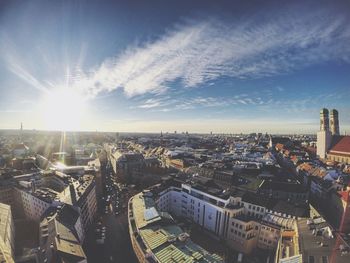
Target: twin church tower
{"x": 325, "y": 135}
{"x": 334, "y": 121}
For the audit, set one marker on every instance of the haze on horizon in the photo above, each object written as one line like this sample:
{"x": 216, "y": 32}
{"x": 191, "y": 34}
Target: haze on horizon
{"x": 196, "y": 66}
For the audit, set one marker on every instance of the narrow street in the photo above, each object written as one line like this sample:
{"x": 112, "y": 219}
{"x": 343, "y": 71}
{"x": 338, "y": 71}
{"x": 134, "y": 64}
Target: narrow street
{"x": 111, "y": 229}
{"x": 117, "y": 247}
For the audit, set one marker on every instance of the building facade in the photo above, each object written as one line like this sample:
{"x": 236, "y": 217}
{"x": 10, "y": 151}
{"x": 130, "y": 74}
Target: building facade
{"x": 241, "y": 222}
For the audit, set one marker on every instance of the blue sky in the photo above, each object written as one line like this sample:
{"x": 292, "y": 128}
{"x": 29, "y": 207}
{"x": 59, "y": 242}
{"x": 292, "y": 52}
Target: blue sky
{"x": 195, "y": 66}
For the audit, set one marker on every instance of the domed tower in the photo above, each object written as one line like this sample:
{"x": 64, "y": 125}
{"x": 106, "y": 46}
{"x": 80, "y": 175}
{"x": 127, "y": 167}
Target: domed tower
{"x": 324, "y": 120}
{"x": 324, "y": 136}
{"x": 334, "y": 122}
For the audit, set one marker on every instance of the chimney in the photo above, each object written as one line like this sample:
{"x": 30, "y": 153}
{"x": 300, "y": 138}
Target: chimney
{"x": 73, "y": 195}
{"x": 32, "y": 182}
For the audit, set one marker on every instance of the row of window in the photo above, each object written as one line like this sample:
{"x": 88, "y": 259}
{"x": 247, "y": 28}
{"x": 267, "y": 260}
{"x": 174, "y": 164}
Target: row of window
{"x": 257, "y": 208}
{"x": 265, "y": 240}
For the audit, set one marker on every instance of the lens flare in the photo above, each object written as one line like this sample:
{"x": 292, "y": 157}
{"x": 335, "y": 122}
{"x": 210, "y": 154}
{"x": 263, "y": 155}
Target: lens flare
{"x": 63, "y": 109}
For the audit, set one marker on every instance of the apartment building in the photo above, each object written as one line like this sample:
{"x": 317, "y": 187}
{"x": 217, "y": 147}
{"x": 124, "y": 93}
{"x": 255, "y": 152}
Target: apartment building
{"x": 245, "y": 221}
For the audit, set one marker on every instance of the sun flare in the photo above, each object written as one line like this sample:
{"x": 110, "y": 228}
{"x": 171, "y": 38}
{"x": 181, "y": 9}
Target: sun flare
{"x": 63, "y": 109}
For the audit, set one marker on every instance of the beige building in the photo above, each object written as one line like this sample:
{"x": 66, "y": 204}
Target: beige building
{"x": 7, "y": 234}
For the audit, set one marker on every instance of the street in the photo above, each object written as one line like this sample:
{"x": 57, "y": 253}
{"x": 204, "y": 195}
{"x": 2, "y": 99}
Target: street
{"x": 108, "y": 239}
{"x": 117, "y": 247}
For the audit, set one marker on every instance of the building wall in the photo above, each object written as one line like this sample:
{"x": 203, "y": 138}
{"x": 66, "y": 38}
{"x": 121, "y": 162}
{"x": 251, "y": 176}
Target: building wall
{"x": 268, "y": 236}
{"x": 6, "y": 195}
{"x": 33, "y": 207}
{"x": 7, "y": 229}
{"x": 338, "y": 158}
{"x": 201, "y": 212}
{"x": 324, "y": 139}
{"x": 88, "y": 207}
{"x": 80, "y": 230}
{"x": 225, "y": 223}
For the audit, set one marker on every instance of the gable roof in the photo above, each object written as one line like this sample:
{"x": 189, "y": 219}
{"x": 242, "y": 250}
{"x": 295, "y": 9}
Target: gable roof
{"x": 340, "y": 145}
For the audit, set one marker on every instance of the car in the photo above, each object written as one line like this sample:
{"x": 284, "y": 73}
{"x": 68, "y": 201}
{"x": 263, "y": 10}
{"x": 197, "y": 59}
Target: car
{"x": 100, "y": 241}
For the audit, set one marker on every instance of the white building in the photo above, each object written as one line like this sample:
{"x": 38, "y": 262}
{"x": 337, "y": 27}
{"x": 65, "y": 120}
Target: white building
{"x": 35, "y": 203}
{"x": 242, "y": 221}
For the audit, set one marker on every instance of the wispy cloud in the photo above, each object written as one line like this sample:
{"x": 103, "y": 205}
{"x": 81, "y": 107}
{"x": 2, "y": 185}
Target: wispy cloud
{"x": 198, "y": 52}
{"x": 201, "y": 51}
{"x": 265, "y": 100}
{"x": 167, "y": 103}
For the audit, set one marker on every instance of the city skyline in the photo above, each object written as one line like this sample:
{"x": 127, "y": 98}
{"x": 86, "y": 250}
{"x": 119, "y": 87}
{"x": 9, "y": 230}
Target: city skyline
{"x": 191, "y": 66}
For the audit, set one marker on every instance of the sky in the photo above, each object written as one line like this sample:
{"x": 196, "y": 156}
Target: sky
{"x": 196, "y": 66}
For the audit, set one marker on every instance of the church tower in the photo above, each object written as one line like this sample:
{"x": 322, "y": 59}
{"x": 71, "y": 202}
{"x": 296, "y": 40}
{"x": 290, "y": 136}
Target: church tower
{"x": 324, "y": 136}
{"x": 334, "y": 122}
{"x": 324, "y": 120}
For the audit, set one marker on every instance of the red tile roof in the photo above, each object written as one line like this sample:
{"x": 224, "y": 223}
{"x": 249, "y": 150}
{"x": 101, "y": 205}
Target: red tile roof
{"x": 345, "y": 195}
{"x": 341, "y": 144}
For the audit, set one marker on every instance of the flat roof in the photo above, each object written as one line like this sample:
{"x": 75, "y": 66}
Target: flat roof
{"x": 167, "y": 241}
{"x": 317, "y": 248}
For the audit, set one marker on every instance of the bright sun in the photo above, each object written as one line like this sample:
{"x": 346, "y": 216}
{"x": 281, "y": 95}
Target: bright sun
{"x": 63, "y": 109}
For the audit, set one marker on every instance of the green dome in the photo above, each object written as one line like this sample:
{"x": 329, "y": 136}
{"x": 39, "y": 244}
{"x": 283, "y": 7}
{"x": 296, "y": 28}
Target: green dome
{"x": 334, "y": 112}
{"x": 324, "y": 111}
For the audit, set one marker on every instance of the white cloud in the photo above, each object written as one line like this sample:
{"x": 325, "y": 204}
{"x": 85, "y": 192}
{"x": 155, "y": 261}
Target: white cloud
{"x": 202, "y": 51}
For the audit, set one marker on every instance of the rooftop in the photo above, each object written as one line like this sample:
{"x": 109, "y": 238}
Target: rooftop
{"x": 283, "y": 186}
{"x": 162, "y": 236}
{"x": 318, "y": 243}
{"x": 53, "y": 230}
{"x": 316, "y": 246}
{"x": 340, "y": 145}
